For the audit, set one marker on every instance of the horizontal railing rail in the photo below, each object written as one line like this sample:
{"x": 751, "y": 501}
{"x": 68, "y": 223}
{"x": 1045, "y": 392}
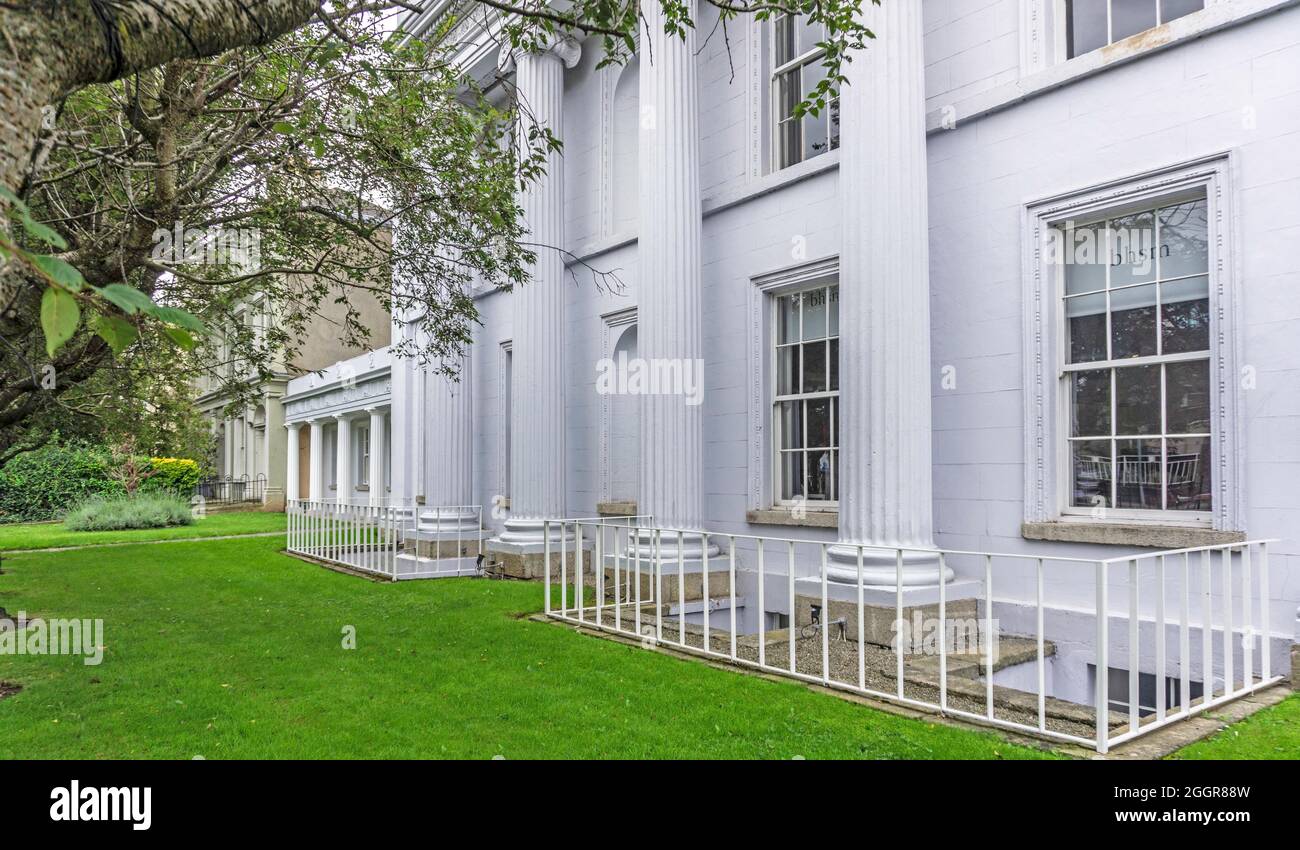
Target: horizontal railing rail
{"x": 653, "y": 591}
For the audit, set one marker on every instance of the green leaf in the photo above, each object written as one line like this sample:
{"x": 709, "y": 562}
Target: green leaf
{"x": 60, "y": 316}
{"x": 180, "y": 337}
{"x": 15, "y": 200}
{"x": 174, "y": 316}
{"x": 62, "y": 273}
{"x": 45, "y": 234}
{"x": 284, "y": 128}
{"x": 128, "y": 299}
{"x": 114, "y": 330}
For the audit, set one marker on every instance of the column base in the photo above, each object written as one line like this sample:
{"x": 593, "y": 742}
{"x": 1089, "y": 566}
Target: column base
{"x": 880, "y": 567}
{"x": 689, "y": 548}
{"x": 447, "y": 522}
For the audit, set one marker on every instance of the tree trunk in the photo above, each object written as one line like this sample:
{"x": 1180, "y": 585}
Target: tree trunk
{"x": 52, "y": 47}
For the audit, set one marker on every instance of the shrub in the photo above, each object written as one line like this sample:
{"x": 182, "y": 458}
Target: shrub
{"x": 42, "y": 484}
{"x": 177, "y": 475}
{"x": 144, "y": 510}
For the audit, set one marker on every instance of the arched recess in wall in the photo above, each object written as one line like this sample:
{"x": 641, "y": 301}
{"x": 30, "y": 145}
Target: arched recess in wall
{"x": 624, "y": 162}
{"x": 625, "y": 429}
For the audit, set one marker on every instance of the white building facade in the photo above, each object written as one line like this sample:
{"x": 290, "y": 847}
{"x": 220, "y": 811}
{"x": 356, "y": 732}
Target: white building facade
{"x": 882, "y": 325}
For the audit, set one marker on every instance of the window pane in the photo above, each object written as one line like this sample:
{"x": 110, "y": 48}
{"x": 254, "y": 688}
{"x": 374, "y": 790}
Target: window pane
{"x": 1085, "y": 250}
{"x": 1191, "y": 486}
{"x": 1087, "y": 25}
{"x": 814, "y": 367}
{"x": 1171, "y": 9}
{"x": 1187, "y": 397}
{"x": 1091, "y": 462}
{"x": 809, "y": 36}
{"x": 787, "y": 323}
{"x": 783, "y": 40}
{"x": 792, "y": 475}
{"x": 790, "y": 415}
{"x": 1184, "y": 240}
{"x": 1129, "y": 17}
{"x": 814, "y": 314}
{"x": 816, "y": 128}
{"x": 788, "y": 135}
{"x": 819, "y": 422}
{"x": 819, "y": 475}
{"x": 1137, "y": 400}
{"x": 833, "y": 311}
{"x": 1185, "y": 315}
{"x": 1086, "y": 317}
{"x": 835, "y": 365}
{"x": 1137, "y": 465}
{"x": 1133, "y": 249}
{"x": 835, "y": 475}
{"x": 1133, "y": 322}
{"x": 1091, "y": 403}
{"x": 787, "y": 370}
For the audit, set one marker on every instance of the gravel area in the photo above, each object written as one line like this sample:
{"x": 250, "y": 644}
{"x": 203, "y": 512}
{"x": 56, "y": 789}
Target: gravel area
{"x": 880, "y": 666}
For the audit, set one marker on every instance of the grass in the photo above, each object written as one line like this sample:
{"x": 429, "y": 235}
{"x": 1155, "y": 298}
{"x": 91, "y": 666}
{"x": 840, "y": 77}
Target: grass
{"x": 229, "y": 649}
{"x": 47, "y": 535}
{"x": 1273, "y": 733}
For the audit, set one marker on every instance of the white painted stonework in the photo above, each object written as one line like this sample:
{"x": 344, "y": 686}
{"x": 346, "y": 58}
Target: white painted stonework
{"x": 965, "y": 130}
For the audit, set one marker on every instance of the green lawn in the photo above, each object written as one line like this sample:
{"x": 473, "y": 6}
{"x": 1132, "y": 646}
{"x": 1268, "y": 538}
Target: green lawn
{"x": 1273, "y": 733}
{"x": 47, "y": 535}
{"x": 228, "y": 649}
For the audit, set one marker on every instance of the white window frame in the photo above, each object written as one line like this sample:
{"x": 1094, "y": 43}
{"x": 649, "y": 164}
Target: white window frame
{"x": 808, "y": 57}
{"x": 764, "y": 488}
{"x": 1047, "y": 426}
{"x": 1063, "y": 28}
{"x": 362, "y": 434}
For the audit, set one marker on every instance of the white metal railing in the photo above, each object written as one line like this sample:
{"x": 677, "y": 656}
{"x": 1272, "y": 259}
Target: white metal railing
{"x": 361, "y": 537}
{"x": 632, "y": 556}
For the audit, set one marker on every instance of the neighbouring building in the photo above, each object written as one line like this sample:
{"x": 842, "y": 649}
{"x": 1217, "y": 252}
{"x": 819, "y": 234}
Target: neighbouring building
{"x": 1027, "y": 287}
{"x": 250, "y": 444}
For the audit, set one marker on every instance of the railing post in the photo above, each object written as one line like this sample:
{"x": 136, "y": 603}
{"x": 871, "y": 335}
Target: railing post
{"x": 1207, "y": 627}
{"x": 794, "y": 611}
{"x": 578, "y": 589}
{"x": 1265, "y": 648}
{"x": 731, "y": 583}
{"x": 1160, "y": 639}
{"x": 1042, "y": 661}
{"x": 546, "y": 559}
{"x": 1228, "y": 639}
{"x": 618, "y": 605}
{"x": 826, "y": 621}
{"x": 898, "y": 617}
{"x": 1185, "y": 639}
{"x": 681, "y": 591}
{"x": 862, "y": 641}
{"x": 1103, "y": 662}
{"x": 762, "y": 609}
{"x": 1247, "y": 621}
{"x": 943, "y": 636}
{"x": 704, "y": 581}
{"x": 988, "y": 636}
{"x": 1134, "y": 637}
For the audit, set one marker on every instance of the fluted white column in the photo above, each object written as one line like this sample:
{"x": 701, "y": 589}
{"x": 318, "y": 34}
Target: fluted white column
{"x": 449, "y": 417}
{"x": 885, "y": 484}
{"x": 670, "y": 281}
{"x": 290, "y": 461}
{"x": 316, "y": 461}
{"x": 343, "y": 459}
{"x": 537, "y": 444}
{"x": 375, "y": 473}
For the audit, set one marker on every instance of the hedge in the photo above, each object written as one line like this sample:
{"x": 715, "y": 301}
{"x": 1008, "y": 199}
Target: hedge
{"x": 46, "y": 483}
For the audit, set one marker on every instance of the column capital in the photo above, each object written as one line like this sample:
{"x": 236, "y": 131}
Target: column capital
{"x": 564, "y": 47}
{"x": 376, "y": 408}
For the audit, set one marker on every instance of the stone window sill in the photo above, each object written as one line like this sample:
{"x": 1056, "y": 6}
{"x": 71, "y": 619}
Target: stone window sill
{"x": 781, "y": 515}
{"x": 1129, "y": 534}
{"x": 620, "y": 508}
